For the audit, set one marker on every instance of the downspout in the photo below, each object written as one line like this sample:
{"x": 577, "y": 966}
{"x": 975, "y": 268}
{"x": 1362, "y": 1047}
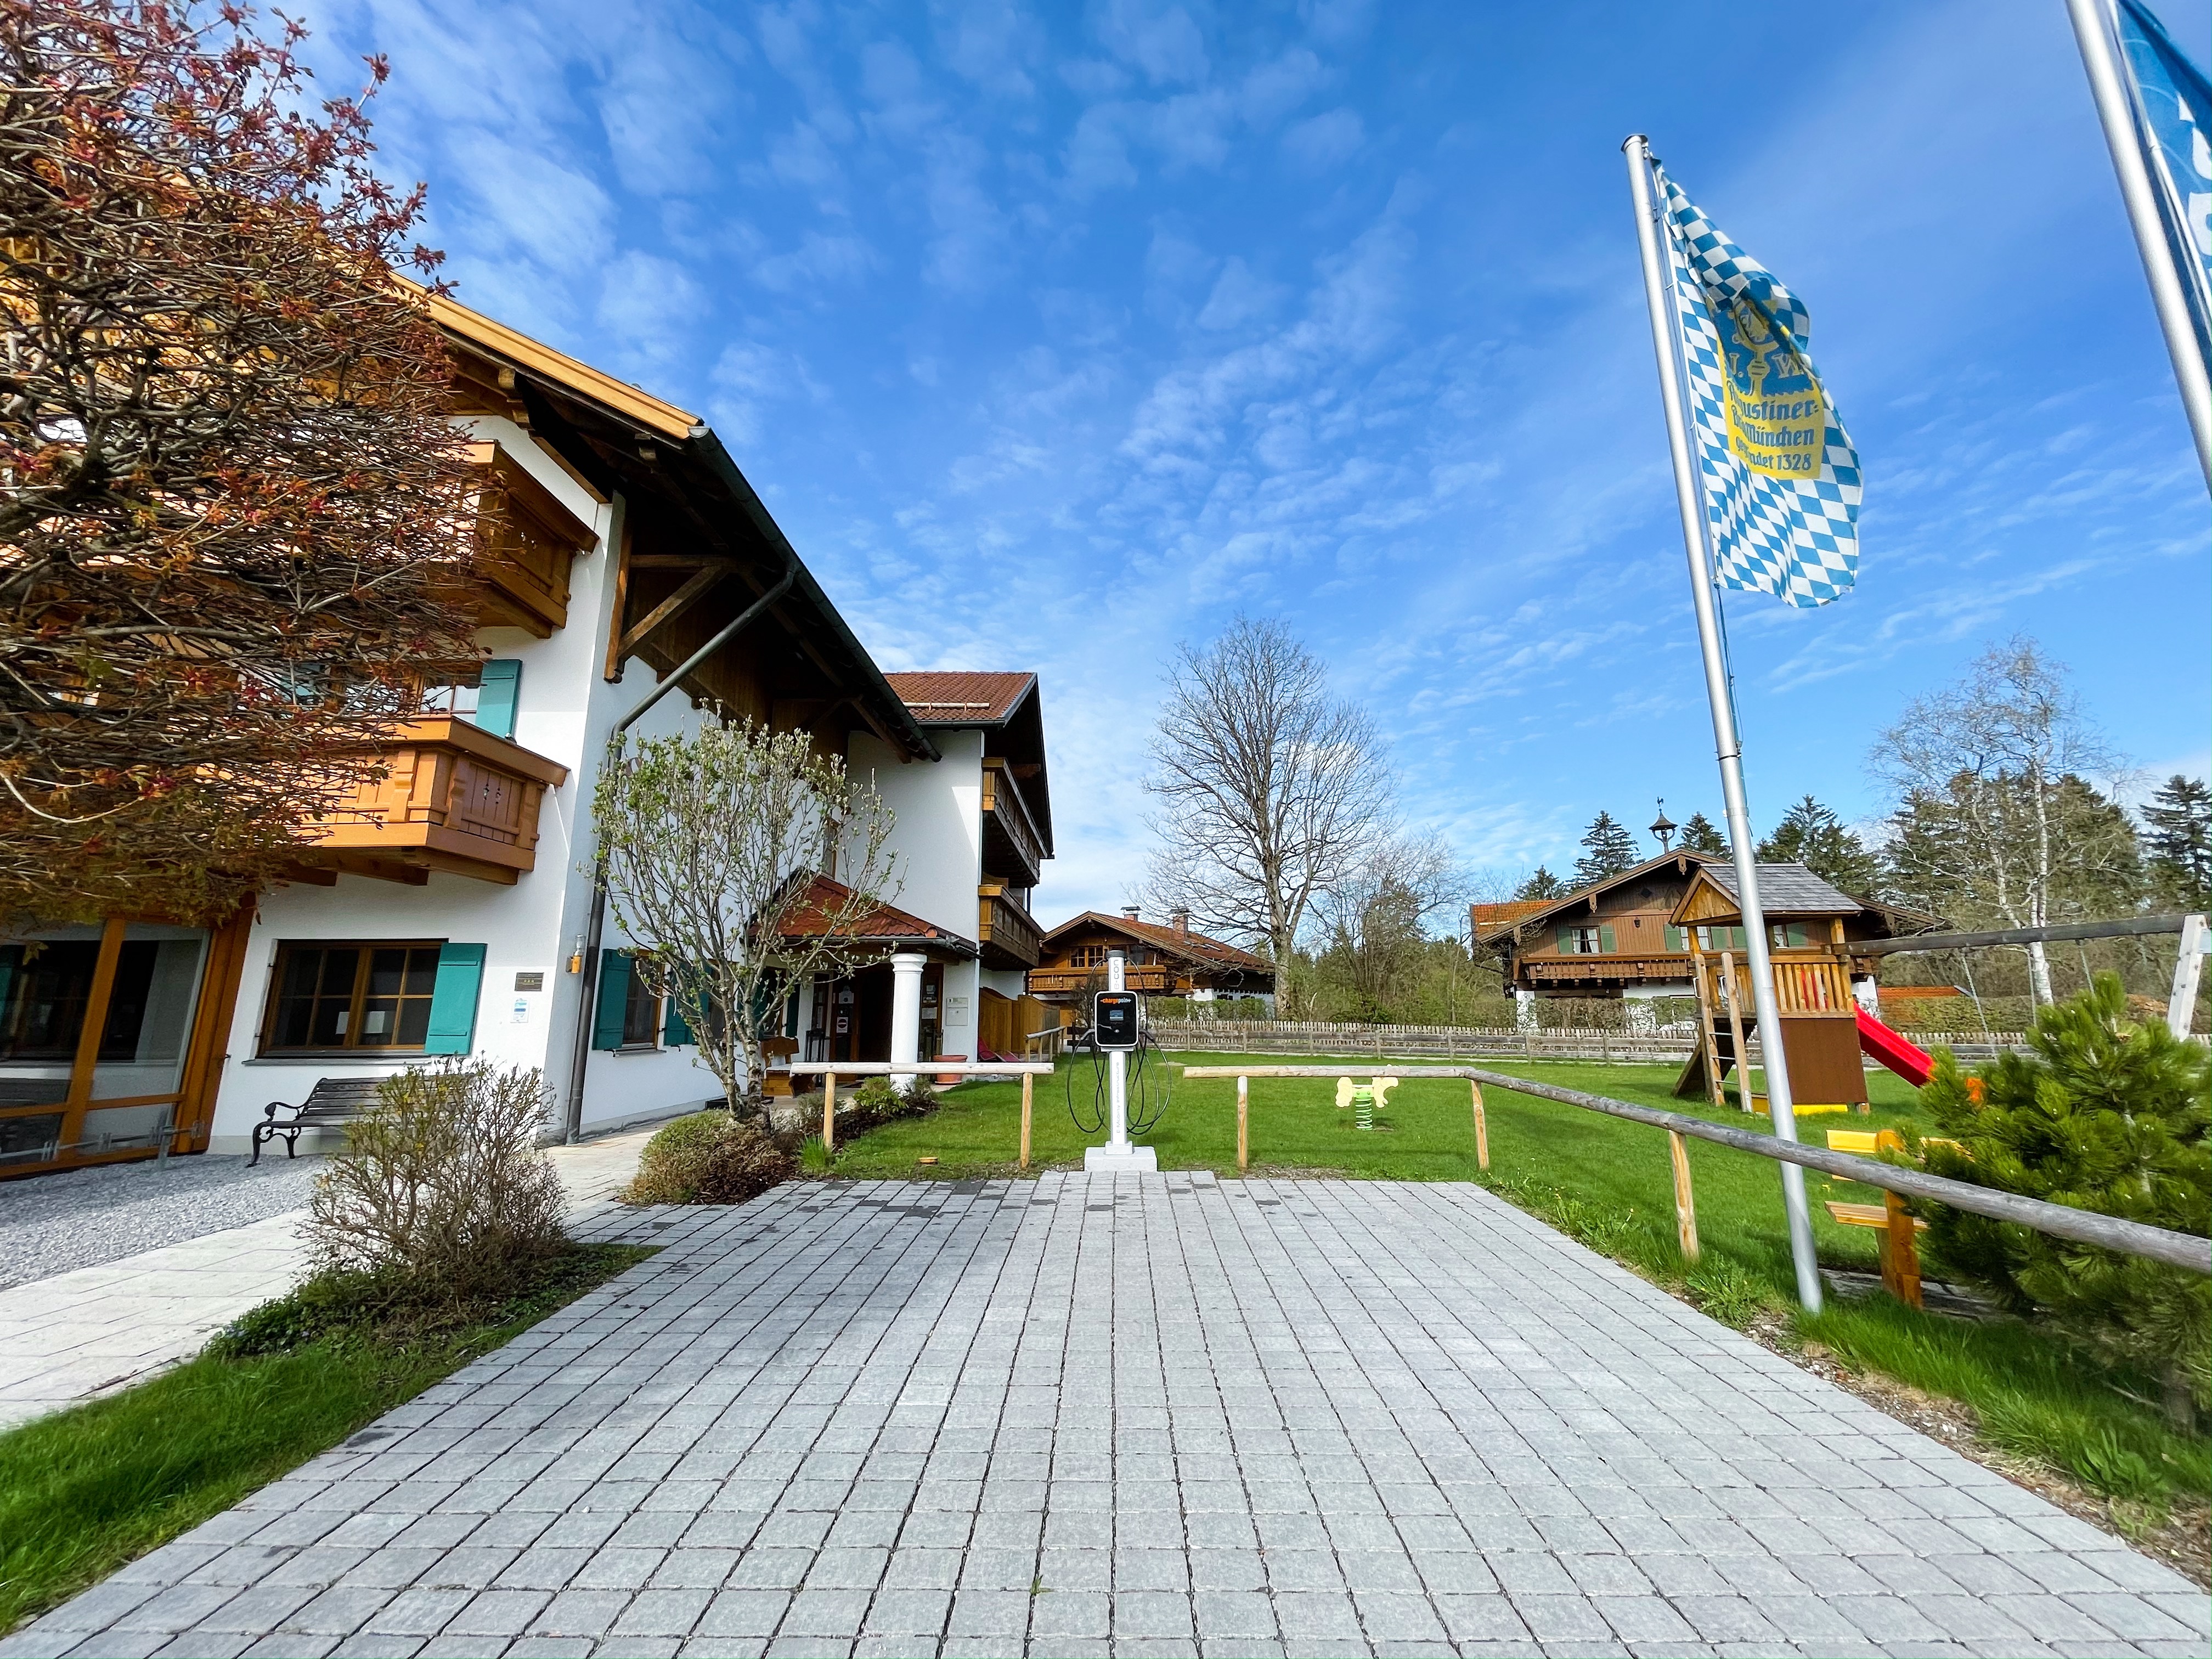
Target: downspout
{"x": 594, "y": 929}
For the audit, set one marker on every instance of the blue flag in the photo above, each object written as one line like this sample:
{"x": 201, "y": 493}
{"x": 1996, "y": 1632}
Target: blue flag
{"x": 1780, "y": 477}
{"x": 2174, "y": 105}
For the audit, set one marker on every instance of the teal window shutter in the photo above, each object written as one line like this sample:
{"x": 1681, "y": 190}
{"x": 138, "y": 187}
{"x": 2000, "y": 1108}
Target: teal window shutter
{"x": 675, "y": 1029}
{"x": 614, "y": 998}
{"x": 1604, "y": 941}
{"x": 1675, "y": 942}
{"x": 454, "y": 1000}
{"x": 496, "y": 695}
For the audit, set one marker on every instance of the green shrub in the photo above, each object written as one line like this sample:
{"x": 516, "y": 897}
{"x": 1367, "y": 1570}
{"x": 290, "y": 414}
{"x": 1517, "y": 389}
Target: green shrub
{"x": 2103, "y": 1114}
{"x": 442, "y": 1184}
{"x": 709, "y": 1158}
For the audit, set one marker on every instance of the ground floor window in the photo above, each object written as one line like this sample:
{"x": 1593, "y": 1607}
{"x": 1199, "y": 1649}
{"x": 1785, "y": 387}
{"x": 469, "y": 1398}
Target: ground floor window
{"x": 640, "y": 1013}
{"x": 359, "y": 994}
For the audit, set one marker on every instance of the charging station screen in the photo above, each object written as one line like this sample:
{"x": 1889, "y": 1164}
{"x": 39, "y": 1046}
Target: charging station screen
{"x": 1113, "y": 1019}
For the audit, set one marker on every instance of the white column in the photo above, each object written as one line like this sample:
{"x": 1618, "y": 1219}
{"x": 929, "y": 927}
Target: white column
{"x": 906, "y": 1013}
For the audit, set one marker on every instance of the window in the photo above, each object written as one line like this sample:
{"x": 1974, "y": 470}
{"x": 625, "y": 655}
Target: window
{"x": 1088, "y": 956}
{"x": 640, "y": 1014}
{"x": 1789, "y": 935}
{"x": 1586, "y": 941}
{"x": 1722, "y": 938}
{"x": 355, "y": 995}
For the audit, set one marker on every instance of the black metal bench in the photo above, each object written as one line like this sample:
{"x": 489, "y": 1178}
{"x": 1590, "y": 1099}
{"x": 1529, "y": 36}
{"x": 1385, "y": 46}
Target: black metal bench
{"x": 332, "y": 1101}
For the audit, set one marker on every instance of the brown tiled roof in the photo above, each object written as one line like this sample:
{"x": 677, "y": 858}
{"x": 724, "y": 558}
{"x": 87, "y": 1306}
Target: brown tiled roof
{"x": 1193, "y": 947}
{"x": 1504, "y": 914}
{"x": 960, "y": 697}
{"x": 1499, "y": 929}
{"x": 809, "y": 919}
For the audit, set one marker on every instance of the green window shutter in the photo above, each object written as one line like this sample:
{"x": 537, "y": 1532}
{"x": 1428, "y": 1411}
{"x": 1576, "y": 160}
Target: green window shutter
{"x": 1674, "y": 941}
{"x": 1566, "y": 941}
{"x": 1604, "y": 941}
{"x": 454, "y": 1000}
{"x": 614, "y": 997}
{"x": 495, "y": 699}
{"x": 674, "y": 1028}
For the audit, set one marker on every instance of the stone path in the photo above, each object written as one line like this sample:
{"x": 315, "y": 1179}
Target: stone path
{"x": 1132, "y": 1415}
{"x": 77, "y": 1336}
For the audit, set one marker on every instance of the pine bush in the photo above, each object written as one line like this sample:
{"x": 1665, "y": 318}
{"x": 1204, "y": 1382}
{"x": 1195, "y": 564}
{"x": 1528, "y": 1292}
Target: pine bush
{"x": 2104, "y": 1113}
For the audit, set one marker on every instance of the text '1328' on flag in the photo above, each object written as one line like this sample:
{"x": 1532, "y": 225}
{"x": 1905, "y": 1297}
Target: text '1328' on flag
{"x": 1780, "y": 476}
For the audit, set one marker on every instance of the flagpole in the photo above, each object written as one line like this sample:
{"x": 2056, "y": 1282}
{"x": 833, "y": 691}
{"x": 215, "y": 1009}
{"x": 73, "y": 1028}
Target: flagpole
{"x": 2092, "y": 31}
{"x": 1658, "y": 294}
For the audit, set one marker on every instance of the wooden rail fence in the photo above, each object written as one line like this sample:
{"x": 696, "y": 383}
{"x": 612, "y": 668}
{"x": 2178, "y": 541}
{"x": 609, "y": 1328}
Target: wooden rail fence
{"x": 1451, "y": 1042}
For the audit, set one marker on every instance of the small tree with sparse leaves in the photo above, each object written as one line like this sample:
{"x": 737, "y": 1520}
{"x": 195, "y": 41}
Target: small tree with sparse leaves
{"x": 718, "y": 847}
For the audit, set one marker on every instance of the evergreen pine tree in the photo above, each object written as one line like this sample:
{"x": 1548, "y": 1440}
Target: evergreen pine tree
{"x": 2179, "y": 840}
{"x": 1543, "y": 884}
{"x": 2103, "y": 1114}
{"x": 1701, "y": 835}
{"x": 1811, "y": 834}
{"x": 1608, "y": 849}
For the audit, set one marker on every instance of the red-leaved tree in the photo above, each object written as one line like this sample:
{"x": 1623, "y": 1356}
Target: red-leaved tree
{"x": 231, "y": 504}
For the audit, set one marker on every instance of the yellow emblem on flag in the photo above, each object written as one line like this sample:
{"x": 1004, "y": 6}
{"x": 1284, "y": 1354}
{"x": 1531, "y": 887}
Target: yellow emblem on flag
{"x": 1777, "y": 416}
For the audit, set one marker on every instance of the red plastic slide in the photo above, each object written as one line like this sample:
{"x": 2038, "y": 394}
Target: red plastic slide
{"x": 1908, "y": 1060}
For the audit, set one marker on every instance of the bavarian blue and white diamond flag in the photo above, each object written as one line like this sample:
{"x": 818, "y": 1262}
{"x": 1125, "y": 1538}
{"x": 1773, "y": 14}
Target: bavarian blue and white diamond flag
{"x": 1780, "y": 477}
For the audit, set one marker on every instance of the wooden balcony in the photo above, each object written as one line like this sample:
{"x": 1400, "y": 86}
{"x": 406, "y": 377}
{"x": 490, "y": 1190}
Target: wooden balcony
{"x": 524, "y": 540}
{"x": 1158, "y": 981}
{"x": 1011, "y": 846}
{"x": 1605, "y": 969}
{"x": 1009, "y": 936}
{"x": 451, "y": 797}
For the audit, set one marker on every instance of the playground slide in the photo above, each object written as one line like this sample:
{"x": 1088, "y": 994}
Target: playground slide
{"x": 1908, "y": 1060}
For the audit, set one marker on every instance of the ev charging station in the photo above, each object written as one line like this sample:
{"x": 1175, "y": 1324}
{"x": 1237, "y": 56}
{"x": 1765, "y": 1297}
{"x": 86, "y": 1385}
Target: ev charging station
{"x": 1117, "y": 1032}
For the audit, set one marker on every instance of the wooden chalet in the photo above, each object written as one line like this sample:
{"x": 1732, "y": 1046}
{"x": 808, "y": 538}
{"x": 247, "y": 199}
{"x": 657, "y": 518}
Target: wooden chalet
{"x": 1614, "y": 938}
{"x": 1160, "y": 960}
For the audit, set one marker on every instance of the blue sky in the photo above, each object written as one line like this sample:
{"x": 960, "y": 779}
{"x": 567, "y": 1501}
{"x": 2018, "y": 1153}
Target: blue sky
{"x": 1054, "y": 334}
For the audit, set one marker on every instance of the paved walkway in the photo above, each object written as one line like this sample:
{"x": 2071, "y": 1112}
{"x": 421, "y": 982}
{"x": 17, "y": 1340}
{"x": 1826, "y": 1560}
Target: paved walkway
{"x": 1137, "y": 1415}
{"x": 76, "y": 1335}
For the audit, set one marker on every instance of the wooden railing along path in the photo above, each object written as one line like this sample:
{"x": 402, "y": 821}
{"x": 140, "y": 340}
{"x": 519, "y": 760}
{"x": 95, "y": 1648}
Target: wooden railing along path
{"x": 1325, "y": 1038}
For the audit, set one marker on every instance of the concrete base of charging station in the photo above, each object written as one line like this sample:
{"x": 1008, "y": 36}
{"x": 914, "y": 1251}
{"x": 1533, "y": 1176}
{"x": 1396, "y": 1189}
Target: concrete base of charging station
{"x": 1136, "y": 1159}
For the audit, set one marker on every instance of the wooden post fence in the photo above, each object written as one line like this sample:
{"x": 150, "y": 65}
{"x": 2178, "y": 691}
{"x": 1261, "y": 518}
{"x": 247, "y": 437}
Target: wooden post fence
{"x": 1243, "y": 1123}
{"x": 829, "y": 1114}
{"x": 1029, "y": 1085}
{"x": 968, "y": 1071}
{"x": 1686, "y": 1202}
{"x": 1481, "y": 1125}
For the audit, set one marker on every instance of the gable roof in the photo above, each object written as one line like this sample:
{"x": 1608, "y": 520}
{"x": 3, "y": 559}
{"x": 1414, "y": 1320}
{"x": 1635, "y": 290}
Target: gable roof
{"x": 882, "y": 923}
{"x": 1506, "y": 925}
{"x": 961, "y": 696}
{"x": 1792, "y": 890}
{"x": 1191, "y": 947}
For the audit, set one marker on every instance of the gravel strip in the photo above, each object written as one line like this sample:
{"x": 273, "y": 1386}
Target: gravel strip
{"x": 52, "y": 1225}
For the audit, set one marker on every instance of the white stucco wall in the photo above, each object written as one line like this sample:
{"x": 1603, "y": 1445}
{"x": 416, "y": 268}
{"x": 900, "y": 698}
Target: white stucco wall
{"x": 564, "y": 712}
{"x": 937, "y": 829}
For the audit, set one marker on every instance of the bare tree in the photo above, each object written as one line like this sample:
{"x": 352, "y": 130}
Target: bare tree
{"x": 1996, "y": 821}
{"x": 1271, "y": 792}
{"x": 228, "y": 486}
{"x": 1375, "y": 921}
{"x": 719, "y": 850}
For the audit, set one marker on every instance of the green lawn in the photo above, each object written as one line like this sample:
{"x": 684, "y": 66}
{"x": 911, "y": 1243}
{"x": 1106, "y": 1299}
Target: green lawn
{"x": 86, "y": 1490}
{"x": 1426, "y": 1134}
{"x": 1609, "y": 1183}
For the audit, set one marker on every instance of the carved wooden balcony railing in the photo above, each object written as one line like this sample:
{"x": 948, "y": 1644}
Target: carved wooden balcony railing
{"x": 1011, "y": 846}
{"x": 524, "y": 540}
{"x": 1009, "y": 937}
{"x": 451, "y": 796}
{"x": 1159, "y": 980}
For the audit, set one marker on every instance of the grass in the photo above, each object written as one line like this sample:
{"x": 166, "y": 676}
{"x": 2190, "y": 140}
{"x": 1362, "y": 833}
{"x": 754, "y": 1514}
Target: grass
{"x": 1608, "y": 1183}
{"x": 86, "y": 1490}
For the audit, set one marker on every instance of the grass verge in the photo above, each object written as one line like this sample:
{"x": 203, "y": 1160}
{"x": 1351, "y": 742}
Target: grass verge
{"x": 2077, "y": 1412}
{"x": 86, "y": 1490}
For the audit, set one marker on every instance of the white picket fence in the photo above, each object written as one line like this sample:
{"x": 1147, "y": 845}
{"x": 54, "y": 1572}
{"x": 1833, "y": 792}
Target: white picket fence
{"x": 1325, "y": 1038}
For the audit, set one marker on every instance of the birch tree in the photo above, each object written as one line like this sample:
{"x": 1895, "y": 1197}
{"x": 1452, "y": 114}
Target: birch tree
{"x": 1270, "y": 791}
{"x": 1996, "y": 818}
{"x": 741, "y": 863}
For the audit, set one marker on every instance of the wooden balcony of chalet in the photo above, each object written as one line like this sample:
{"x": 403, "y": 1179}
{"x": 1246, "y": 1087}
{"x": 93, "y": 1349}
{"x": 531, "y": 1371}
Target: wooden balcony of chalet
{"x": 525, "y": 538}
{"x": 444, "y": 795}
{"x": 1008, "y": 934}
{"x": 1603, "y": 970}
{"x": 1158, "y": 980}
{"x": 1011, "y": 846}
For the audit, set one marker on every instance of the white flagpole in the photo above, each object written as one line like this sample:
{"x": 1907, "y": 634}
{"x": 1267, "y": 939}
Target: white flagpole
{"x": 2094, "y": 25}
{"x": 1658, "y": 292}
